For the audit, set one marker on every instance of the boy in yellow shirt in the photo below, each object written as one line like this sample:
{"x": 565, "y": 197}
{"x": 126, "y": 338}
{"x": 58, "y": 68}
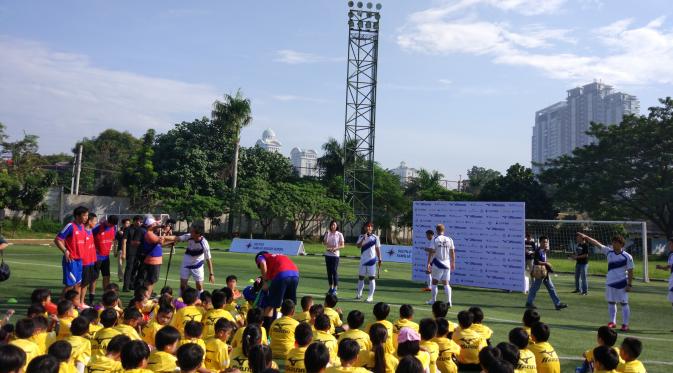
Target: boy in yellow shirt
{"x": 12, "y": 358}
{"x": 355, "y": 321}
{"x": 322, "y": 334}
{"x": 606, "y": 359}
{"x": 218, "y": 312}
{"x": 333, "y": 312}
{"x": 348, "y": 355}
{"x": 65, "y": 313}
{"x": 282, "y": 331}
{"x": 42, "y": 336}
{"x": 162, "y": 319}
{"x": 192, "y": 334}
{"x": 102, "y": 337}
{"x": 477, "y": 325}
{"x": 91, "y": 315}
{"x": 253, "y": 317}
{"x": 469, "y": 340}
{"x": 231, "y": 306}
{"x": 294, "y": 363}
{"x": 381, "y": 311}
{"x": 188, "y": 313}
{"x": 405, "y": 321}
{"x": 190, "y": 357}
{"x": 520, "y": 338}
{"x": 631, "y": 349}
{"x": 510, "y": 354}
{"x": 62, "y": 351}
{"x": 316, "y": 358}
{"x": 81, "y": 346}
{"x": 427, "y": 328}
{"x": 163, "y": 358}
{"x": 441, "y": 309}
{"x": 448, "y": 349}
{"x": 605, "y": 336}
{"x": 134, "y": 357}
{"x": 530, "y": 318}
{"x": 305, "y": 315}
{"x": 545, "y": 356}
{"x": 132, "y": 320}
{"x": 111, "y": 361}
{"x": 24, "y": 330}
{"x": 217, "y": 350}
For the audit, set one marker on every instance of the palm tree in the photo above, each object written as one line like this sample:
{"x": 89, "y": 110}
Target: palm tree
{"x": 233, "y": 113}
{"x": 424, "y": 180}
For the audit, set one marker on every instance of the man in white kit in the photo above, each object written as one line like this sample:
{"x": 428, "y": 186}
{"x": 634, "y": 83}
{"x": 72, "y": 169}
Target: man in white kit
{"x": 198, "y": 252}
{"x": 370, "y": 256}
{"x": 441, "y": 262}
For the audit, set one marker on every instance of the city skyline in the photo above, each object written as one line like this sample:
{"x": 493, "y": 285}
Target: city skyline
{"x": 459, "y": 81}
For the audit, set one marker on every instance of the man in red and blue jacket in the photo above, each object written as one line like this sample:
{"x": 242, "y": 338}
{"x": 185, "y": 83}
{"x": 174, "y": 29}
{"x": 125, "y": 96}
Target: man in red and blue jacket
{"x": 103, "y": 237}
{"x": 71, "y": 240}
{"x": 281, "y": 277}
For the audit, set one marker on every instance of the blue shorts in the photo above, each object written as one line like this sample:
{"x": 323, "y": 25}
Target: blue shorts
{"x": 279, "y": 290}
{"x": 72, "y": 272}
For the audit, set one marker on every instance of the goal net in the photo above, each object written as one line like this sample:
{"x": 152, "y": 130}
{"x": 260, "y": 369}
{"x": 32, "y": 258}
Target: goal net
{"x": 562, "y": 241}
{"x": 160, "y": 217}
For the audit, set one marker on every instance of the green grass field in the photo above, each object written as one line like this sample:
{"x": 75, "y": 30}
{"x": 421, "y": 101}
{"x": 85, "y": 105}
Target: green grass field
{"x": 573, "y": 329}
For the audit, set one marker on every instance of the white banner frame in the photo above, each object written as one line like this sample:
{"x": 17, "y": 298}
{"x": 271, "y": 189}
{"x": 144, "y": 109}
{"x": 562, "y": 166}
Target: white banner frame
{"x": 253, "y": 246}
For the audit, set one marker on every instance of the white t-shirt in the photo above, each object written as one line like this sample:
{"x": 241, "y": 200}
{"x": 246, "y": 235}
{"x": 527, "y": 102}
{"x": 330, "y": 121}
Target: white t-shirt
{"x": 197, "y": 251}
{"x": 368, "y": 249}
{"x": 333, "y": 240}
{"x": 442, "y": 246}
{"x": 618, "y": 264}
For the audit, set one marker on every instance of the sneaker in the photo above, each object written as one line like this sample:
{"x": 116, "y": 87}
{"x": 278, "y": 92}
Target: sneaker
{"x": 531, "y": 306}
{"x": 425, "y": 290}
{"x": 430, "y": 302}
{"x": 334, "y": 291}
{"x": 358, "y": 297}
{"x": 625, "y": 328}
{"x": 561, "y": 306}
{"x": 369, "y": 299}
{"x": 585, "y": 293}
{"x": 612, "y": 325}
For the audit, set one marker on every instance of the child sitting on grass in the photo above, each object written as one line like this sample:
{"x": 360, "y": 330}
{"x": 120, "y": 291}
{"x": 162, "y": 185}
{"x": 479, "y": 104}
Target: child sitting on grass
{"x": 219, "y": 300}
{"x": 111, "y": 360}
{"x": 193, "y": 333}
{"x": 405, "y": 321}
{"x": 294, "y": 363}
{"x": 469, "y": 340}
{"x": 545, "y": 355}
{"x": 355, "y": 321}
{"x": 604, "y": 337}
{"x": 65, "y": 313}
{"x": 348, "y": 356}
{"x": 81, "y": 346}
{"x": 162, "y": 319}
{"x": 520, "y": 338}
{"x": 381, "y": 311}
{"x": 62, "y": 351}
{"x": 24, "y": 329}
{"x": 134, "y": 357}
{"x": 428, "y": 331}
{"x": 217, "y": 350}
{"x": 606, "y": 359}
{"x": 305, "y": 315}
{"x": 132, "y": 321}
{"x": 189, "y": 357}
{"x": 163, "y": 358}
{"x": 334, "y": 313}
{"x": 448, "y": 349}
{"x": 631, "y": 349}
{"x": 477, "y": 325}
{"x": 322, "y": 334}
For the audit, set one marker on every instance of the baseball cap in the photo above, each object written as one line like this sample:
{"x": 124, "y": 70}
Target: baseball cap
{"x": 149, "y": 221}
{"x": 408, "y": 335}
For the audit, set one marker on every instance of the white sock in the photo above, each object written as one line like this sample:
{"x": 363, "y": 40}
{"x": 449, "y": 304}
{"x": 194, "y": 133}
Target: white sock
{"x": 361, "y": 286}
{"x": 447, "y": 290}
{"x": 612, "y": 311}
{"x": 429, "y": 280}
{"x": 434, "y": 292}
{"x": 372, "y": 288}
{"x": 626, "y": 313}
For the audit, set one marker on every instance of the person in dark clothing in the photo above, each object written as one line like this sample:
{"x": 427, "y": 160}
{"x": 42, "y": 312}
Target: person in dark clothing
{"x": 132, "y": 239}
{"x": 581, "y": 266}
{"x": 540, "y": 259}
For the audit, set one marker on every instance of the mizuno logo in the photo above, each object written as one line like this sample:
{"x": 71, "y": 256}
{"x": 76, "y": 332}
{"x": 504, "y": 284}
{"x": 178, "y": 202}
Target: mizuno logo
{"x": 294, "y": 361}
{"x": 240, "y": 360}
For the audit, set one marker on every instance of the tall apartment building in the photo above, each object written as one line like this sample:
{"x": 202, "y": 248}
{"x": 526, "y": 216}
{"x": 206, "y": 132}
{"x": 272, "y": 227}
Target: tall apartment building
{"x": 305, "y": 162}
{"x": 562, "y": 127}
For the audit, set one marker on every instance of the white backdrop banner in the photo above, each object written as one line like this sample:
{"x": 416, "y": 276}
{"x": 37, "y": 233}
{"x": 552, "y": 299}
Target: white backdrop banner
{"x": 241, "y": 245}
{"x": 489, "y": 240}
{"x": 396, "y": 254}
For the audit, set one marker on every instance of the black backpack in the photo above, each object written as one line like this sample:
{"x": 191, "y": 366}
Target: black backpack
{"x": 4, "y": 269}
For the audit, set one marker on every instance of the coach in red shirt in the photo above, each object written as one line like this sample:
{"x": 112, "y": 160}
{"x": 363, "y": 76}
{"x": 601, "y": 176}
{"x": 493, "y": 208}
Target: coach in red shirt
{"x": 282, "y": 279}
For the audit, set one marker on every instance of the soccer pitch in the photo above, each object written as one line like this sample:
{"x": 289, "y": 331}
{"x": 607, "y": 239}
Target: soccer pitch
{"x": 573, "y": 330}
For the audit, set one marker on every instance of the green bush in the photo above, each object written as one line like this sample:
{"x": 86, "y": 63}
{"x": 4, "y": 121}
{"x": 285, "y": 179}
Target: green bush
{"x": 46, "y": 226}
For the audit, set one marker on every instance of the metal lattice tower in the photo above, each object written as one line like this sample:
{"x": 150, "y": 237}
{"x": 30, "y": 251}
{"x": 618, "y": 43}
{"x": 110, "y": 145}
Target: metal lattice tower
{"x": 363, "y": 46}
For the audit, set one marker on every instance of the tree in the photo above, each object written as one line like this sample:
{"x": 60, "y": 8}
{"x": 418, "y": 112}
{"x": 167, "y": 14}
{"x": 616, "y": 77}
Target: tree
{"x": 139, "y": 175}
{"x": 520, "y": 185}
{"x": 270, "y": 166}
{"x": 626, "y": 174}
{"x": 389, "y": 201}
{"x": 478, "y": 177}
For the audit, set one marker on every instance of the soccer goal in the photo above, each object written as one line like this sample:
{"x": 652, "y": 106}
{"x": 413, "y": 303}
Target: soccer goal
{"x": 160, "y": 217}
{"x": 562, "y": 234}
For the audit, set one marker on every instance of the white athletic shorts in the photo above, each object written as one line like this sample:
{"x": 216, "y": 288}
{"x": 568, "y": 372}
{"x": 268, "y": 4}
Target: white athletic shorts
{"x": 196, "y": 273}
{"x": 613, "y": 295}
{"x": 367, "y": 271}
{"x": 441, "y": 274}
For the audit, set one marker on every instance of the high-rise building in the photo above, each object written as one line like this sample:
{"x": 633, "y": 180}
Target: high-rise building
{"x": 269, "y": 141}
{"x": 562, "y": 127}
{"x": 405, "y": 173}
{"x": 305, "y": 162}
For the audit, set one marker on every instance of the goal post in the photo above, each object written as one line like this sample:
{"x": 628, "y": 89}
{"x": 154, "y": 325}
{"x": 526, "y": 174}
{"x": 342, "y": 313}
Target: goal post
{"x": 562, "y": 234}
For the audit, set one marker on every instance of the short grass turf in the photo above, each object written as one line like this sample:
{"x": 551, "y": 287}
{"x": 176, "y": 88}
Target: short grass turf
{"x": 573, "y": 329}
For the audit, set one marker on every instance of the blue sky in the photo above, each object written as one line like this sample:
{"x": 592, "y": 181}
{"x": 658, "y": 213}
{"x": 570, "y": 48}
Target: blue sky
{"x": 459, "y": 80}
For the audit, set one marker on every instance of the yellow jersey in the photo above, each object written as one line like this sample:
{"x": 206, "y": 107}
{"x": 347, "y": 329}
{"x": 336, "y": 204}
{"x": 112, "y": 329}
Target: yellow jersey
{"x": 347, "y": 369}
{"x": 282, "y": 336}
{"x": 526, "y": 361}
{"x": 633, "y": 366}
{"x": 162, "y": 362}
{"x": 184, "y": 315}
{"x": 149, "y": 332}
{"x": 545, "y": 358}
{"x": 303, "y": 317}
{"x": 233, "y": 310}
{"x": 358, "y": 336}
{"x": 101, "y": 339}
{"x": 217, "y": 355}
{"x": 424, "y": 358}
{"x": 93, "y": 329}
{"x": 29, "y": 347}
{"x": 433, "y": 349}
{"x": 470, "y": 343}
{"x": 589, "y": 355}
{"x": 390, "y": 346}
{"x": 104, "y": 364}
{"x": 366, "y": 360}
{"x": 212, "y": 316}
{"x": 448, "y": 352}
{"x": 330, "y": 342}
{"x": 138, "y": 370}
{"x": 197, "y": 341}
{"x": 238, "y": 337}
{"x": 63, "y": 329}
{"x": 81, "y": 349}
{"x": 335, "y": 320}
{"x": 67, "y": 367}
{"x": 484, "y": 330}
{"x": 398, "y": 325}
{"x": 294, "y": 363}
{"x": 240, "y": 361}
{"x": 43, "y": 340}
{"x": 129, "y": 331}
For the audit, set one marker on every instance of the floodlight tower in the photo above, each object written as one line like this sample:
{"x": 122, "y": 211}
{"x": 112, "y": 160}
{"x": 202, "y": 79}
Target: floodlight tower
{"x": 363, "y": 47}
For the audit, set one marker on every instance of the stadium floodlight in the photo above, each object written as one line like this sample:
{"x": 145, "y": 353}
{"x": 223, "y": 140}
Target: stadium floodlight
{"x": 350, "y": 4}
{"x": 351, "y": 14}
{"x": 378, "y": 6}
{"x": 369, "y": 5}
{"x": 359, "y": 4}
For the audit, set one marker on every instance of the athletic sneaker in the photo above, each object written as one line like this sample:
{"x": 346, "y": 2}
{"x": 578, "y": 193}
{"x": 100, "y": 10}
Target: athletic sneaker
{"x": 561, "y": 306}
{"x": 430, "y": 302}
{"x": 425, "y": 290}
{"x": 612, "y": 325}
{"x": 369, "y": 299}
{"x": 358, "y": 297}
{"x": 625, "y": 328}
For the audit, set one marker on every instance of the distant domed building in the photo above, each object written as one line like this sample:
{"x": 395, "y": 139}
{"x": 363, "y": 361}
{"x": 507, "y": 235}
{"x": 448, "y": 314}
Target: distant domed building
{"x": 269, "y": 141}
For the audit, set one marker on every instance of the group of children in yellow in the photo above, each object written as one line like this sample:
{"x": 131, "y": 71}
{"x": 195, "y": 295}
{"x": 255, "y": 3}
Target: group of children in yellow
{"x": 214, "y": 333}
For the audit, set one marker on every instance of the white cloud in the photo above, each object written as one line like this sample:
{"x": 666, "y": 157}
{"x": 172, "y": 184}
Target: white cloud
{"x": 630, "y": 55}
{"x": 63, "y": 96}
